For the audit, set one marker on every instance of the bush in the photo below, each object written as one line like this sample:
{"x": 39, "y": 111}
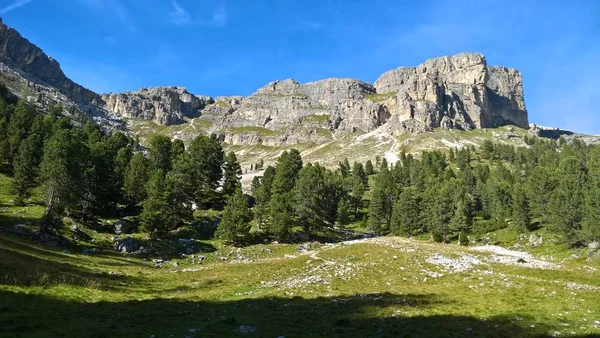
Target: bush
{"x": 483, "y": 226}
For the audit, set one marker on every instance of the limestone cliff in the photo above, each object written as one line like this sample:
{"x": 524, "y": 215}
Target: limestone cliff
{"x": 457, "y": 92}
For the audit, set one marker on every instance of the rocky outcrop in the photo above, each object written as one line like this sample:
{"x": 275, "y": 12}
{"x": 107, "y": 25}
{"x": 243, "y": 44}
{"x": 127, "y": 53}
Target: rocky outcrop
{"x": 453, "y": 92}
{"x": 18, "y": 52}
{"x": 163, "y": 105}
{"x": 456, "y": 92}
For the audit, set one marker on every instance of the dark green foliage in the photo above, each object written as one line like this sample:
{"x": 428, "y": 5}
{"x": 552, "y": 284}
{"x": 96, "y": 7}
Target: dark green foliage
{"x": 136, "y": 177}
{"x": 62, "y": 171}
{"x": 406, "y": 213}
{"x": 380, "y": 208}
{"x": 281, "y": 216}
{"x": 521, "y": 214}
{"x": 232, "y": 172}
{"x": 286, "y": 171}
{"x": 164, "y": 207}
{"x": 159, "y": 149}
{"x": 235, "y": 224}
{"x": 567, "y": 200}
{"x": 316, "y": 198}
{"x": 262, "y": 195}
{"x": 25, "y": 170}
{"x": 369, "y": 168}
{"x": 18, "y": 127}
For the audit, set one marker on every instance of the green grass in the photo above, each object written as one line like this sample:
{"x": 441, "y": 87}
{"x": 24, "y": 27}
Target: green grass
{"x": 379, "y": 287}
{"x": 253, "y": 130}
{"x": 380, "y": 97}
{"x": 315, "y": 118}
{"x": 222, "y": 103}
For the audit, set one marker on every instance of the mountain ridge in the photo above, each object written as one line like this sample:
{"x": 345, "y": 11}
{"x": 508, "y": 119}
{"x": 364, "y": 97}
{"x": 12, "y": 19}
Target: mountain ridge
{"x": 451, "y": 92}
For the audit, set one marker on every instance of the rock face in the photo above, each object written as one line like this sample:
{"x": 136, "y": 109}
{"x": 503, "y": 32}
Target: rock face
{"x": 460, "y": 92}
{"x": 16, "y": 51}
{"x": 455, "y": 92}
{"x": 163, "y": 105}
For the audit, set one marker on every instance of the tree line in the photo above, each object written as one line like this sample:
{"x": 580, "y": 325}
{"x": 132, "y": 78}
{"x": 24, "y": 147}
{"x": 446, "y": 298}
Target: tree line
{"x": 87, "y": 173}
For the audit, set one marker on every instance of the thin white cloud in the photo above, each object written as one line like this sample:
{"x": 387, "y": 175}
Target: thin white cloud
{"x": 115, "y": 8}
{"x": 181, "y": 17}
{"x": 14, "y": 5}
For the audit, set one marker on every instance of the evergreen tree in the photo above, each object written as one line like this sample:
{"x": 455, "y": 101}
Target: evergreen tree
{"x": 159, "y": 149}
{"x": 591, "y": 219}
{"x": 316, "y": 198}
{"x": 164, "y": 207}
{"x": 406, "y": 219}
{"x": 286, "y": 171}
{"x": 235, "y": 225}
{"x": 204, "y": 169}
{"x": 136, "y": 177}
{"x": 61, "y": 172}
{"x": 359, "y": 183}
{"x": 369, "y": 168}
{"x": 18, "y": 127}
{"x": 520, "y": 208}
{"x": 380, "y": 208}
{"x": 262, "y": 195}
{"x": 232, "y": 172}
{"x": 280, "y": 216}
{"x": 344, "y": 167}
{"x": 566, "y": 202}
{"x": 25, "y": 170}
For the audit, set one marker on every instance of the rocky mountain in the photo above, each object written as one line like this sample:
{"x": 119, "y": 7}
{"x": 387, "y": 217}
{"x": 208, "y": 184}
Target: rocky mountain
{"x": 458, "y": 92}
{"x": 163, "y": 105}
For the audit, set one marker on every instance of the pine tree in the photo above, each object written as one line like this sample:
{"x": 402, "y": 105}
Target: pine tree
{"x": 591, "y": 219}
{"x": 566, "y": 202}
{"x": 369, "y": 168}
{"x": 18, "y": 127}
{"x": 25, "y": 170}
{"x": 380, "y": 208}
{"x": 156, "y": 216}
{"x": 159, "y": 149}
{"x": 520, "y": 208}
{"x": 232, "y": 172}
{"x": 316, "y": 198}
{"x": 262, "y": 195}
{"x": 164, "y": 207}
{"x": 136, "y": 177}
{"x": 235, "y": 225}
{"x": 286, "y": 171}
{"x": 406, "y": 219}
{"x": 344, "y": 167}
{"x": 280, "y": 216}
{"x": 61, "y": 172}
{"x": 539, "y": 187}
{"x": 204, "y": 169}
{"x": 359, "y": 184}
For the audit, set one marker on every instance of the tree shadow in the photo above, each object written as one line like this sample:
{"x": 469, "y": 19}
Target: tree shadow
{"x": 370, "y": 315}
{"x": 26, "y": 264}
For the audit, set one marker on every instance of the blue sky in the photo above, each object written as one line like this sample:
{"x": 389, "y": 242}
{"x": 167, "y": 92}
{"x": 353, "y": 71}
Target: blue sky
{"x": 233, "y": 47}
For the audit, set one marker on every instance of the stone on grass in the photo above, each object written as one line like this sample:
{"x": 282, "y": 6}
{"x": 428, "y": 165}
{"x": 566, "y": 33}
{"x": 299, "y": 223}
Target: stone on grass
{"x": 128, "y": 245}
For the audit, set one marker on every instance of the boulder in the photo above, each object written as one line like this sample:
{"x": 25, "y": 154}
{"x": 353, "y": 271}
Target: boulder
{"x": 21, "y": 228}
{"x": 535, "y": 240}
{"x": 128, "y": 245}
{"x": 594, "y": 249}
{"x": 123, "y": 227}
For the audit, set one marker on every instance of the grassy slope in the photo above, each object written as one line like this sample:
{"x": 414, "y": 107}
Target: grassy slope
{"x": 375, "y": 287}
{"x": 345, "y": 145}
